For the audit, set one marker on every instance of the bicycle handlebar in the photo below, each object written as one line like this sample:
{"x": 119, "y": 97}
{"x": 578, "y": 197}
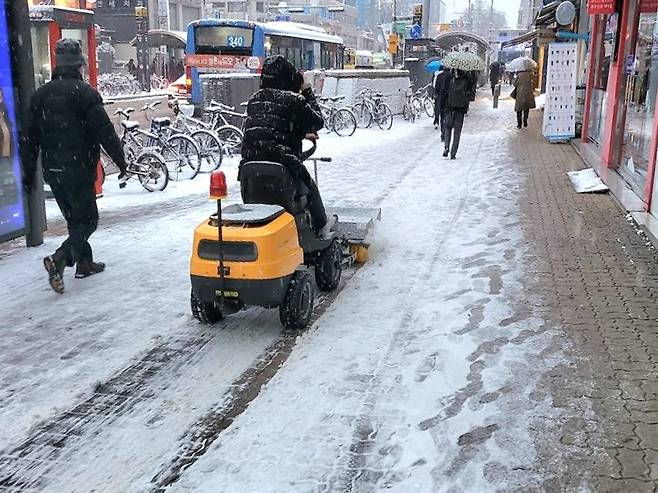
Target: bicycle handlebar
{"x": 125, "y": 112}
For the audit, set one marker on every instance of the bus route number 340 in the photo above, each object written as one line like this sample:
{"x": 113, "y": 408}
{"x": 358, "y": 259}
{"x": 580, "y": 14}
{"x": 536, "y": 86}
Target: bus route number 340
{"x": 235, "y": 41}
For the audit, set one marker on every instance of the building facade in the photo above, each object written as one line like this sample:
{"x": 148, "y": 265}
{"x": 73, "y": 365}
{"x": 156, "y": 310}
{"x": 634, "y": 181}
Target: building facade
{"x": 620, "y": 127}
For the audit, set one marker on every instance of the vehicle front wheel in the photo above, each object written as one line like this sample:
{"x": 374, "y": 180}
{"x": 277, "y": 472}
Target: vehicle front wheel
{"x": 297, "y": 308}
{"x": 206, "y": 313}
{"x": 329, "y": 268}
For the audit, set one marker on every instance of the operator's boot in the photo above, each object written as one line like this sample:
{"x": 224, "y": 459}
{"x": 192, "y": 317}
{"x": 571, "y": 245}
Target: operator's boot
{"x": 86, "y": 268}
{"x": 55, "y": 265}
{"x": 325, "y": 232}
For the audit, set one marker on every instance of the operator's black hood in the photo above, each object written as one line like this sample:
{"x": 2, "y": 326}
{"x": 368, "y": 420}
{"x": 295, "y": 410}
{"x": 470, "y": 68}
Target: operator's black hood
{"x": 279, "y": 73}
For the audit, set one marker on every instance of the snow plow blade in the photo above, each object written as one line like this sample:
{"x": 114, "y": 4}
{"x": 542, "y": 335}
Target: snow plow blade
{"x": 353, "y": 229}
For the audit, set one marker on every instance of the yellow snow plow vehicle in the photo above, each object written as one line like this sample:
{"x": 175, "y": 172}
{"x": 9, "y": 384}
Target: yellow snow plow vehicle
{"x": 261, "y": 252}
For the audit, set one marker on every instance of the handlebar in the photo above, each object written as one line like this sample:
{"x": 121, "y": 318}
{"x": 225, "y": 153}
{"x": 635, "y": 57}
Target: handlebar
{"x": 125, "y": 112}
{"x": 151, "y": 106}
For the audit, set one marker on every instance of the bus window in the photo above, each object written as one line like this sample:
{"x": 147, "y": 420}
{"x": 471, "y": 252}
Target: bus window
{"x": 217, "y": 40}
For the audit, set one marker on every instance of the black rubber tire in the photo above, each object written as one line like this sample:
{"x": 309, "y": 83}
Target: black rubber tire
{"x": 297, "y": 308}
{"x": 206, "y": 313}
{"x": 329, "y": 268}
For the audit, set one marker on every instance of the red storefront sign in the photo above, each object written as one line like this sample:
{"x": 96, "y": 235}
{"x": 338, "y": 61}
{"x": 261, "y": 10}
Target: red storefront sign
{"x": 595, "y": 7}
{"x": 223, "y": 62}
{"x": 648, "y": 6}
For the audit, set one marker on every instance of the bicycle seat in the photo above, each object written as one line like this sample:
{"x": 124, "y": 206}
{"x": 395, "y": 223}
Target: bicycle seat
{"x": 162, "y": 121}
{"x": 336, "y": 98}
{"x": 324, "y": 99}
{"x": 130, "y": 124}
{"x": 213, "y": 109}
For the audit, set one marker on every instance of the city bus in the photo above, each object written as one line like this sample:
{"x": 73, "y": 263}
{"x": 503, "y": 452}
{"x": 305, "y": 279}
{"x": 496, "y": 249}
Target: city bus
{"x": 224, "y": 45}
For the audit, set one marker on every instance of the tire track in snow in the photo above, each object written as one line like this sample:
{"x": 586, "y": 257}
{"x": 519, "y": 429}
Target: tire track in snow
{"x": 25, "y": 465}
{"x": 203, "y": 433}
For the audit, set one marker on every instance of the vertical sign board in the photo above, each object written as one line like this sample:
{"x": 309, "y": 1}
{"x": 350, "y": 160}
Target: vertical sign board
{"x": 560, "y": 109}
{"x": 12, "y": 210}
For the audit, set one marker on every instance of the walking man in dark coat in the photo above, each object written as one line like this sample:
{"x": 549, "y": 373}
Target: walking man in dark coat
{"x": 68, "y": 124}
{"x": 440, "y": 97}
{"x": 279, "y": 116}
{"x": 458, "y": 99}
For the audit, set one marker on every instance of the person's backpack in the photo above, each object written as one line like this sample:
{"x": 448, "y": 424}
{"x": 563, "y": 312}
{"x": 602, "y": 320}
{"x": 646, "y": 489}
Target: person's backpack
{"x": 458, "y": 92}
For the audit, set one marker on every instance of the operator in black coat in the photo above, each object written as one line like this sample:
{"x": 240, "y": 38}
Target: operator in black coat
{"x": 279, "y": 117}
{"x": 68, "y": 124}
{"x": 440, "y": 99}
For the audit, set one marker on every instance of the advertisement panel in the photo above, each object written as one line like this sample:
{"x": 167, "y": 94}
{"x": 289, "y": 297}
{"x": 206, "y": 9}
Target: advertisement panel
{"x": 12, "y": 211}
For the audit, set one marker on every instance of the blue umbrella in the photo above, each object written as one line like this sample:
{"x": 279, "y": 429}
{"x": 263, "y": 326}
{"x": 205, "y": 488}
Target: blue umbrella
{"x": 433, "y": 66}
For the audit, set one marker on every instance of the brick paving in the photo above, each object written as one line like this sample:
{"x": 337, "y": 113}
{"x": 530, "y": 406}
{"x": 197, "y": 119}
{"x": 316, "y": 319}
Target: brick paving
{"x": 598, "y": 279}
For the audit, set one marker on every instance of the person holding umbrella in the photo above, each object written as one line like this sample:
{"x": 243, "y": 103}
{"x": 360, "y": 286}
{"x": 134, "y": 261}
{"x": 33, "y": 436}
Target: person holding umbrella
{"x": 524, "y": 89}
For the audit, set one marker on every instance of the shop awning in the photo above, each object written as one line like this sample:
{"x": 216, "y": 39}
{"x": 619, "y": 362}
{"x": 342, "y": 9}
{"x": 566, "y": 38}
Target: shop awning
{"x": 163, "y": 37}
{"x": 524, "y": 38}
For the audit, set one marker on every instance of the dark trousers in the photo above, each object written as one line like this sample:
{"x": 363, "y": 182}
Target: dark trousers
{"x": 315, "y": 205}
{"x": 454, "y": 121}
{"x": 522, "y": 117}
{"x": 77, "y": 201}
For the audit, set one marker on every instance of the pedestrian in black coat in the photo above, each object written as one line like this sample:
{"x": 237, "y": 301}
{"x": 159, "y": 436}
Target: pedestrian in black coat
{"x": 279, "y": 116}
{"x": 68, "y": 124}
{"x": 440, "y": 99}
{"x": 458, "y": 99}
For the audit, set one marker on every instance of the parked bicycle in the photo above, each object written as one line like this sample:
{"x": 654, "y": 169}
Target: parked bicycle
{"x": 424, "y": 100}
{"x": 147, "y": 165}
{"x": 179, "y": 151}
{"x": 230, "y": 135}
{"x": 341, "y": 120}
{"x": 110, "y": 85}
{"x": 370, "y": 108}
{"x": 210, "y": 146}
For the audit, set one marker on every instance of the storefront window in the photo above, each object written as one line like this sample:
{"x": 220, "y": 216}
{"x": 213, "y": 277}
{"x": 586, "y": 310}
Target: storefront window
{"x": 603, "y": 52}
{"x": 641, "y": 73}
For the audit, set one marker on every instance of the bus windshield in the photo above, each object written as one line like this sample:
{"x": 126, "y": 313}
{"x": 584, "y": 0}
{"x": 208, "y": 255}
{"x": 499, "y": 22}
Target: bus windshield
{"x": 215, "y": 40}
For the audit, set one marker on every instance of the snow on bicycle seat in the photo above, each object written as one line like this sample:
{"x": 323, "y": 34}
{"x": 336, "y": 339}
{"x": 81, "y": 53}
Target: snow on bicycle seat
{"x": 130, "y": 124}
{"x": 337, "y": 98}
{"x": 164, "y": 120}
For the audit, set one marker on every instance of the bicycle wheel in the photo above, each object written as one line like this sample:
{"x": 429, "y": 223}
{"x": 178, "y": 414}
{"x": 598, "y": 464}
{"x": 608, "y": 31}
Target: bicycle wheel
{"x": 210, "y": 148}
{"x": 182, "y": 156}
{"x": 417, "y": 105}
{"x": 408, "y": 113}
{"x": 231, "y": 138}
{"x": 384, "y": 116}
{"x": 152, "y": 171}
{"x": 363, "y": 115}
{"x": 428, "y": 106}
{"x": 343, "y": 122}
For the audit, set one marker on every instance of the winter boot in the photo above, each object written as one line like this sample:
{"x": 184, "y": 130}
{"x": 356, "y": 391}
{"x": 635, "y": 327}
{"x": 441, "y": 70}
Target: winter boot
{"x": 55, "y": 268}
{"x": 446, "y": 152}
{"x": 86, "y": 268}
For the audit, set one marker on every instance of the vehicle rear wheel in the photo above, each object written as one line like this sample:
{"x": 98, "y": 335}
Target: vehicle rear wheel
{"x": 182, "y": 156}
{"x": 210, "y": 148}
{"x": 152, "y": 172}
{"x": 384, "y": 117}
{"x": 428, "y": 106}
{"x": 344, "y": 122}
{"x": 231, "y": 138}
{"x": 297, "y": 308}
{"x": 206, "y": 313}
{"x": 329, "y": 268}
{"x": 363, "y": 115}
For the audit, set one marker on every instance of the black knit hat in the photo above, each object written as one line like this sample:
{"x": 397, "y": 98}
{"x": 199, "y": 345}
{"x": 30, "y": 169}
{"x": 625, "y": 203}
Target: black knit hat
{"x": 69, "y": 53}
{"x": 278, "y": 73}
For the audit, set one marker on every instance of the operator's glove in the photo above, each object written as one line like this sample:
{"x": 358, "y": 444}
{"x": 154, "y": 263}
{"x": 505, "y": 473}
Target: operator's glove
{"x": 123, "y": 178}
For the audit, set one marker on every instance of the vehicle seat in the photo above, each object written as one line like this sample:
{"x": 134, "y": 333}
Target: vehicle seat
{"x": 265, "y": 182}
{"x": 162, "y": 122}
{"x": 130, "y": 124}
